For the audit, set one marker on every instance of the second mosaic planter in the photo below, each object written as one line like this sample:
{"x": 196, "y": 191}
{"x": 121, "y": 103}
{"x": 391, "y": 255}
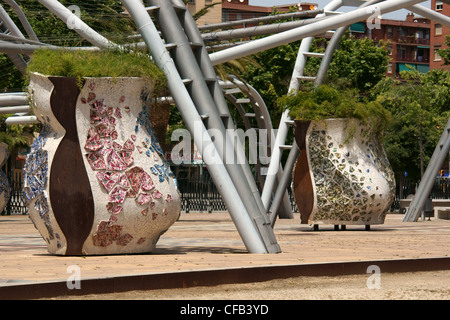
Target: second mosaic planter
{"x": 342, "y": 176}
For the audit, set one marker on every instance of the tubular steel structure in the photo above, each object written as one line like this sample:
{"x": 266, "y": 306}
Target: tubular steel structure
{"x": 178, "y": 47}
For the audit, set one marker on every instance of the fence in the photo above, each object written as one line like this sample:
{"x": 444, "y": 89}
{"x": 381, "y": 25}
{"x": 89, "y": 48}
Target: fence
{"x": 199, "y": 193}
{"x": 16, "y": 204}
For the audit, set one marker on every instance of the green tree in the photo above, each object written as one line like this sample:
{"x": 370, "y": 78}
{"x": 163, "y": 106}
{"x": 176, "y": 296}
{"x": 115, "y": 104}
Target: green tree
{"x": 271, "y": 71}
{"x": 445, "y": 52}
{"x": 361, "y": 62}
{"x": 103, "y": 16}
{"x": 419, "y": 106}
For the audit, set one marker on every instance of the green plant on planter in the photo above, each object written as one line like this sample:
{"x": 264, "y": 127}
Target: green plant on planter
{"x": 325, "y": 102}
{"x": 96, "y": 63}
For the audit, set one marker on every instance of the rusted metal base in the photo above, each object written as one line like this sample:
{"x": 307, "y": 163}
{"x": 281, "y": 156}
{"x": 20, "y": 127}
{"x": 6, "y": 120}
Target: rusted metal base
{"x": 175, "y": 280}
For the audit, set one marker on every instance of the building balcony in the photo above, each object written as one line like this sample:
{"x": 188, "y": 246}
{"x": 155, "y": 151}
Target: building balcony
{"x": 407, "y": 58}
{"x": 411, "y": 40}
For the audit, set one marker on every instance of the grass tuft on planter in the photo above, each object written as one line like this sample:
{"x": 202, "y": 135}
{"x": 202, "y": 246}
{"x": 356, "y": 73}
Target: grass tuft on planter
{"x": 101, "y": 63}
{"x": 325, "y": 102}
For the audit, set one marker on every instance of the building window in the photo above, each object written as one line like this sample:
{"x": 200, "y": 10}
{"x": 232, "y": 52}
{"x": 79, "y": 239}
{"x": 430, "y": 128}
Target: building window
{"x": 389, "y": 69}
{"x": 439, "y": 5}
{"x": 389, "y": 48}
{"x": 225, "y": 16}
{"x": 389, "y": 32}
{"x": 402, "y": 32}
{"x": 437, "y": 57}
{"x": 401, "y": 52}
{"x": 438, "y": 29}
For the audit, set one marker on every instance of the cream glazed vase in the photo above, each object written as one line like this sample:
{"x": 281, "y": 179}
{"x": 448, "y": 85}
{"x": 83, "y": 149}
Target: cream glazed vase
{"x": 96, "y": 181}
{"x": 342, "y": 176}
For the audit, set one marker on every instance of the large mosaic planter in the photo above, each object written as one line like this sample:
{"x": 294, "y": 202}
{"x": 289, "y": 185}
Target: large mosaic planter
{"x": 96, "y": 181}
{"x": 5, "y": 190}
{"x": 342, "y": 176}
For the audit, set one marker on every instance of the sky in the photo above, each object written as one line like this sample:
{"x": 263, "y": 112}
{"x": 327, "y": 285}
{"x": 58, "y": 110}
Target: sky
{"x": 397, "y": 15}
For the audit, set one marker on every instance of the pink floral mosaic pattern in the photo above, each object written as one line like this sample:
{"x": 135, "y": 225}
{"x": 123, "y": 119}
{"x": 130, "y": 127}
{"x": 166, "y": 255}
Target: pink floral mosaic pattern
{"x": 113, "y": 163}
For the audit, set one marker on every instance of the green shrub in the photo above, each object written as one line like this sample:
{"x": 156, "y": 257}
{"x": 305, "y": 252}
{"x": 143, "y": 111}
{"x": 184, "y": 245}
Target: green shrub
{"x": 325, "y": 102}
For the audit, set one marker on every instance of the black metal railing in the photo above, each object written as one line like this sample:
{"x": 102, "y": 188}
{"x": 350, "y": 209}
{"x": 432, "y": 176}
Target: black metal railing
{"x": 199, "y": 193}
{"x": 16, "y": 204}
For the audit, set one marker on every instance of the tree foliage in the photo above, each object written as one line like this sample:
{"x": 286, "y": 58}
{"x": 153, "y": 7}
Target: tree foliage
{"x": 271, "y": 74}
{"x": 419, "y": 106}
{"x": 104, "y": 17}
{"x": 361, "y": 62}
{"x": 445, "y": 52}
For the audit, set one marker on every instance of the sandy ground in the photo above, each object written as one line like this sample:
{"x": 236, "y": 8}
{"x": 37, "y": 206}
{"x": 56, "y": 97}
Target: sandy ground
{"x": 395, "y": 286}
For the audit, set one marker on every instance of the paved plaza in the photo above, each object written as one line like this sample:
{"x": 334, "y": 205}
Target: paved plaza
{"x": 209, "y": 241}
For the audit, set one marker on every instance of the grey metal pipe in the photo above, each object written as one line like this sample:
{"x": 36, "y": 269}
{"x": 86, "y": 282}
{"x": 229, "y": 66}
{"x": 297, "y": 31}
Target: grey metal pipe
{"x": 17, "y": 60}
{"x": 256, "y": 30}
{"x": 428, "y": 178}
{"x": 77, "y": 24}
{"x": 198, "y": 69}
{"x": 23, "y": 19}
{"x": 15, "y": 109}
{"x": 9, "y": 23}
{"x": 430, "y": 14}
{"x": 21, "y": 120}
{"x": 284, "y": 182}
{"x": 221, "y": 178}
{"x": 222, "y": 112}
{"x": 28, "y": 49}
{"x": 308, "y": 30}
{"x": 331, "y": 48}
{"x": 7, "y": 99}
{"x": 282, "y": 16}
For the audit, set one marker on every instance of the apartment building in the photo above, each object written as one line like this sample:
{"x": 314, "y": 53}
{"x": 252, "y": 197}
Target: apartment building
{"x": 240, "y": 9}
{"x": 232, "y": 10}
{"x": 438, "y": 34}
{"x": 409, "y": 41}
